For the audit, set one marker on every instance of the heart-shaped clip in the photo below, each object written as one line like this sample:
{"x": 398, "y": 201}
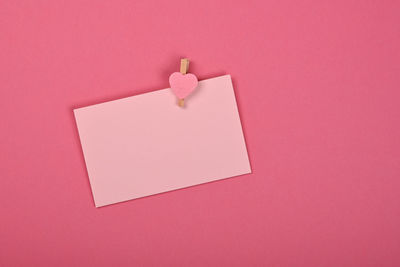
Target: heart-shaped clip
{"x": 183, "y": 84}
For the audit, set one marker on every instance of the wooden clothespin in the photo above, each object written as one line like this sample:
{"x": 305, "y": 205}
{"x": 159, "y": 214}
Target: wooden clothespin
{"x": 184, "y": 70}
{"x": 183, "y": 83}
{"x": 184, "y": 65}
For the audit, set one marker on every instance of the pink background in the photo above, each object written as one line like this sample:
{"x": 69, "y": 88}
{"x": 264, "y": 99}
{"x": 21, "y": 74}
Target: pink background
{"x": 317, "y": 85}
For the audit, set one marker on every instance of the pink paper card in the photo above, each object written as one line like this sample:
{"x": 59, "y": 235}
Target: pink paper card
{"x": 146, "y": 144}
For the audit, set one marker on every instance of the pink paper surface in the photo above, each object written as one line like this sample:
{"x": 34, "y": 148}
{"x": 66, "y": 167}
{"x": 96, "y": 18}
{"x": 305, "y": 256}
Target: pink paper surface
{"x": 146, "y": 144}
{"x": 317, "y": 87}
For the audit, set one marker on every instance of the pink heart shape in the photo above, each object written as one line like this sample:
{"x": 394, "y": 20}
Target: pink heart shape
{"x": 182, "y": 85}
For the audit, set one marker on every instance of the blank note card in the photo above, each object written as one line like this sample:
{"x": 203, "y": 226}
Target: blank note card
{"x": 146, "y": 144}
